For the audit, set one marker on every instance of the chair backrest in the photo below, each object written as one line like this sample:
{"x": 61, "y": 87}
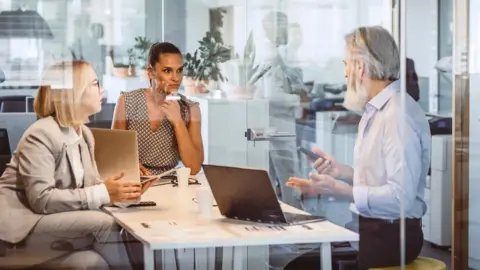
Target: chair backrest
{"x": 14, "y": 103}
{"x": 5, "y": 152}
{"x": 106, "y": 114}
{"x": 16, "y": 124}
{"x": 4, "y": 142}
{"x": 30, "y": 101}
{"x": 9, "y": 106}
{"x": 103, "y": 119}
{"x": 4, "y": 160}
{"x": 413, "y": 88}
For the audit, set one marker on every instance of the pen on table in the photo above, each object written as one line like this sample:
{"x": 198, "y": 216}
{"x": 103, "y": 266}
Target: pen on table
{"x": 307, "y": 227}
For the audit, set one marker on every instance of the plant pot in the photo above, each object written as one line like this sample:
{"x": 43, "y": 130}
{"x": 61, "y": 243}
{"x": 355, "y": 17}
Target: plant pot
{"x": 239, "y": 91}
{"x": 124, "y": 71}
{"x": 131, "y": 71}
{"x": 194, "y": 87}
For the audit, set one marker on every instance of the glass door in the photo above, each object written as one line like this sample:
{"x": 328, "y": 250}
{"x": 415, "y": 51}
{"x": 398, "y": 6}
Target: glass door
{"x": 443, "y": 98}
{"x": 461, "y": 133}
{"x": 466, "y": 60}
{"x": 298, "y": 88}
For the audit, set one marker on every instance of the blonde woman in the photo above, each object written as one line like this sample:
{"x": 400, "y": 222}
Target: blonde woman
{"x": 51, "y": 189}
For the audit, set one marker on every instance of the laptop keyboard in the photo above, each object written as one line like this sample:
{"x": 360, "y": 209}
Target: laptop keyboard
{"x": 301, "y": 218}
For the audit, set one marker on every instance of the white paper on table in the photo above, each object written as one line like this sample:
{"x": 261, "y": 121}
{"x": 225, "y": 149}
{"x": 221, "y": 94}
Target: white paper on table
{"x": 249, "y": 229}
{"x": 181, "y": 230}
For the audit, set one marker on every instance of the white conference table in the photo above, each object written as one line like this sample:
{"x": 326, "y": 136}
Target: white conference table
{"x": 174, "y": 226}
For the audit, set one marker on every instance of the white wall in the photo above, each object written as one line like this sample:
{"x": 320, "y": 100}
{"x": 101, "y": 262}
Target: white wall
{"x": 474, "y": 36}
{"x": 422, "y": 35}
{"x": 5, "y": 4}
{"x": 122, "y": 19}
{"x": 422, "y": 46}
{"x": 198, "y": 23}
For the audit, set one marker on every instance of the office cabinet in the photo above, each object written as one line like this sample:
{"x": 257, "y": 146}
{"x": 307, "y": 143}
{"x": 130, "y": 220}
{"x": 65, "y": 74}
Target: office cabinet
{"x": 437, "y": 222}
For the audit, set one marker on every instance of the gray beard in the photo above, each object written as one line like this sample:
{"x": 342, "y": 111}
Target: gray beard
{"x": 356, "y": 98}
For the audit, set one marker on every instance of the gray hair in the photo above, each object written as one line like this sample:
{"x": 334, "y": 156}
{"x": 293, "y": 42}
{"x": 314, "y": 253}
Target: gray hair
{"x": 377, "y": 50}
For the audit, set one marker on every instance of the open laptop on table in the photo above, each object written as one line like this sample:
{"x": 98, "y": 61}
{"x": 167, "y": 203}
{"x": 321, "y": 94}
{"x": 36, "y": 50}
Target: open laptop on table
{"x": 248, "y": 194}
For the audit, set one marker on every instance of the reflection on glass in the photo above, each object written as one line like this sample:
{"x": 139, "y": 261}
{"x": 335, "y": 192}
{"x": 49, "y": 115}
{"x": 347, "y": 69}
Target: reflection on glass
{"x": 283, "y": 75}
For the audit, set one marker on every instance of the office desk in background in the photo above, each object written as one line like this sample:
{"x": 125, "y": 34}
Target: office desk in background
{"x": 175, "y": 224}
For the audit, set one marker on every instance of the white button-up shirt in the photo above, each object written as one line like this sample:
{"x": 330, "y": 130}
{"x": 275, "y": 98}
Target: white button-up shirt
{"x": 391, "y": 158}
{"x": 97, "y": 195}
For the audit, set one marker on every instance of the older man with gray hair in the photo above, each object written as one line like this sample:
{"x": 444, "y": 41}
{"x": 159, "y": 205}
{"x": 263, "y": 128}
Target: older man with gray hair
{"x": 391, "y": 156}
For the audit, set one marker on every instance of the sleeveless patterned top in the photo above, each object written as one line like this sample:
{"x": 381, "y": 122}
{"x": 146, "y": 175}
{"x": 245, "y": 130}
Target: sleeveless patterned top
{"x": 158, "y": 150}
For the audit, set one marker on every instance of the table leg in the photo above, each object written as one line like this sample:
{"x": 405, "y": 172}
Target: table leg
{"x": 148, "y": 257}
{"x": 227, "y": 258}
{"x": 258, "y": 257}
{"x": 326, "y": 256}
{"x": 239, "y": 258}
{"x": 218, "y": 258}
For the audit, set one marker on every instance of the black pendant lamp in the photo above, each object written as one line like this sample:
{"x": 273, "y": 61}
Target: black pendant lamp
{"x": 23, "y": 24}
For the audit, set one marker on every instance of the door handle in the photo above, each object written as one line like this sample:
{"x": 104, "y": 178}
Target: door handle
{"x": 265, "y": 134}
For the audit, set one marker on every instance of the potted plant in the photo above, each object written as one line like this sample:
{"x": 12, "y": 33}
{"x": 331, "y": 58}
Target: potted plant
{"x": 240, "y": 71}
{"x": 141, "y": 48}
{"x": 137, "y": 55}
{"x": 126, "y": 66}
{"x": 131, "y": 62}
{"x": 122, "y": 70}
{"x": 202, "y": 67}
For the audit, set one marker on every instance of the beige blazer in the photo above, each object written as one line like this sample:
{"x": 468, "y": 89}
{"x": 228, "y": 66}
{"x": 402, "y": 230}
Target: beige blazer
{"x": 39, "y": 179}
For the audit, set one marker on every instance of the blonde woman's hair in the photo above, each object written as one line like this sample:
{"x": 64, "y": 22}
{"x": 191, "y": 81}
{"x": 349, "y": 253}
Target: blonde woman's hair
{"x": 61, "y": 91}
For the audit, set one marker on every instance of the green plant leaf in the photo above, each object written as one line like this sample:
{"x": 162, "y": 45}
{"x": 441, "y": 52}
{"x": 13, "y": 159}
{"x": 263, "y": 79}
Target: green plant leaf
{"x": 203, "y": 64}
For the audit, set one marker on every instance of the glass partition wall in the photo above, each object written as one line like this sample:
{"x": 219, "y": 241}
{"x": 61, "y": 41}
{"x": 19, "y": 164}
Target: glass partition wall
{"x": 251, "y": 118}
{"x": 466, "y": 84}
{"x": 308, "y": 37}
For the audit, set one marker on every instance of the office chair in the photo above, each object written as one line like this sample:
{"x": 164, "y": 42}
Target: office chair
{"x": 14, "y": 103}
{"x": 5, "y": 152}
{"x": 30, "y": 101}
{"x": 103, "y": 119}
{"x": 9, "y": 106}
{"x": 344, "y": 256}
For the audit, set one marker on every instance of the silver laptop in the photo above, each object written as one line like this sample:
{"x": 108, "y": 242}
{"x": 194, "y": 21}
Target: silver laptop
{"x": 116, "y": 151}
